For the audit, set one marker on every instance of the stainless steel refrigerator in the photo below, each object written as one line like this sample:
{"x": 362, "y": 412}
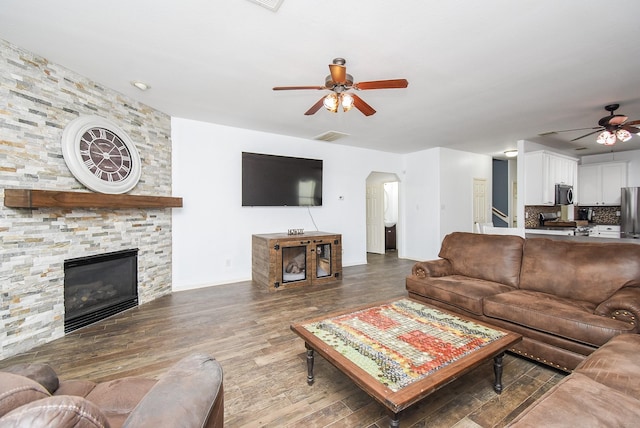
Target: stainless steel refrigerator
{"x": 630, "y": 212}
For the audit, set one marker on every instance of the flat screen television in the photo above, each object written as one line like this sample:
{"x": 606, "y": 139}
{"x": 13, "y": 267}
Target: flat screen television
{"x": 276, "y": 181}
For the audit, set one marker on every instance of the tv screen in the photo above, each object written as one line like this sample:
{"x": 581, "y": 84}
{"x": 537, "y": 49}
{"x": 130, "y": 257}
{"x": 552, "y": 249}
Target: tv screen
{"x": 270, "y": 180}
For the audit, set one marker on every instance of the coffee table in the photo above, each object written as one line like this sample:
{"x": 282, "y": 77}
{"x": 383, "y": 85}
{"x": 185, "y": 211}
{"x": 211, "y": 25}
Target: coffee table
{"x": 401, "y": 351}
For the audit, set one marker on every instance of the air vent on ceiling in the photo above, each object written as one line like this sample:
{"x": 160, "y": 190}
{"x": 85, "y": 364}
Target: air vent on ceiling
{"x": 269, "y": 4}
{"x": 330, "y": 136}
{"x": 581, "y": 148}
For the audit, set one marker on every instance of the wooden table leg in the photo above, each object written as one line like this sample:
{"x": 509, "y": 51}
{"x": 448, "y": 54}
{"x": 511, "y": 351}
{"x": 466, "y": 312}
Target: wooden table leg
{"x": 497, "y": 370}
{"x": 309, "y": 364}
{"x": 394, "y": 420}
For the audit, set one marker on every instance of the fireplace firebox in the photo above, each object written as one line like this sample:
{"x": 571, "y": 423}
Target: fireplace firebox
{"x": 96, "y": 287}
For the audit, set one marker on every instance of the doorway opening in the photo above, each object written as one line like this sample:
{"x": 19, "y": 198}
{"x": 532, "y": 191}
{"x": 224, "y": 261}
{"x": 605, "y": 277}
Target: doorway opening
{"x": 382, "y": 212}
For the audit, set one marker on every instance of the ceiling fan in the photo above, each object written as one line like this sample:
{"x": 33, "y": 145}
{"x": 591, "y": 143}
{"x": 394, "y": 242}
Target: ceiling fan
{"x": 612, "y": 128}
{"x": 339, "y": 82}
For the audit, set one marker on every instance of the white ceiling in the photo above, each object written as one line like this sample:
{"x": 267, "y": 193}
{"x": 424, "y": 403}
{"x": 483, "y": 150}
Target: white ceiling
{"x": 482, "y": 74}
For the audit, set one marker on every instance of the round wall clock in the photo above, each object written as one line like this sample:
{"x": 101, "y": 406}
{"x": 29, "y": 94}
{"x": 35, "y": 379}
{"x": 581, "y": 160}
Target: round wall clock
{"x": 101, "y": 155}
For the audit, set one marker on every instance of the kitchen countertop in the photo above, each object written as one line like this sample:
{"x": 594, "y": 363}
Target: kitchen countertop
{"x": 530, "y": 233}
{"x": 551, "y": 228}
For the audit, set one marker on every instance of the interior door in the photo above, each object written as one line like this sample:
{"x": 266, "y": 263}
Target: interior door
{"x": 375, "y": 218}
{"x": 514, "y": 203}
{"x": 480, "y": 202}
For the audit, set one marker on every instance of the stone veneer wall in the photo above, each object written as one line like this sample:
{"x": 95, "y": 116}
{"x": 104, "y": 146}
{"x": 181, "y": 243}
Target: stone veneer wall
{"x": 37, "y": 100}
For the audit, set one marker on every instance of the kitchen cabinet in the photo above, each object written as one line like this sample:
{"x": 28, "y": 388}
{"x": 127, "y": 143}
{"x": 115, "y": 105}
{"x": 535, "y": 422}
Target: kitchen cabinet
{"x": 543, "y": 170}
{"x": 605, "y": 231}
{"x": 390, "y": 238}
{"x": 600, "y": 183}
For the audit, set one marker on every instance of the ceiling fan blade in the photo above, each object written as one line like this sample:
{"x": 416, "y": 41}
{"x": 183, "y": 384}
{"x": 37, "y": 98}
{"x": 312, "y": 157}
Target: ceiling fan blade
{"x": 294, "y": 88}
{"x": 365, "y": 108}
{"x": 382, "y": 84}
{"x": 315, "y": 107}
{"x": 630, "y": 128}
{"x": 586, "y": 135}
{"x": 576, "y": 129}
{"x": 338, "y": 73}
{"x": 633, "y": 122}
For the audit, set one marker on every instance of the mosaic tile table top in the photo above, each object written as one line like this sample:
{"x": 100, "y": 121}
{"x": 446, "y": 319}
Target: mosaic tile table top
{"x": 403, "y": 345}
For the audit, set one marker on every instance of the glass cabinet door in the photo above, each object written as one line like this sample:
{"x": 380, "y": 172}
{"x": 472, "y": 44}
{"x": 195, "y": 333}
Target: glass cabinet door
{"x": 294, "y": 263}
{"x": 323, "y": 260}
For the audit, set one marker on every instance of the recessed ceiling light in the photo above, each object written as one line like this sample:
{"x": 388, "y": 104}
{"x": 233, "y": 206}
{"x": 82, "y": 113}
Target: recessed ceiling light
{"x": 511, "y": 153}
{"x": 140, "y": 85}
{"x": 272, "y": 5}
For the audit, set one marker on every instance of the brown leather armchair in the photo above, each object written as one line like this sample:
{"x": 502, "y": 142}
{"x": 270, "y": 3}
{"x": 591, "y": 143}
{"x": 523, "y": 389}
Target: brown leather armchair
{"x": 189, "y": 394}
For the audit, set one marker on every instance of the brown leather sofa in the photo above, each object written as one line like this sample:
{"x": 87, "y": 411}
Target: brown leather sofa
{"x": 566, "y": 298}
{"x": 189, "y": 395}
{"x": 603, "y": 391}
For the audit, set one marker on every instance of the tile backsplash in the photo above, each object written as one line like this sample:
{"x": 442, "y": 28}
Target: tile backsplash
{"x": 601, "y": 215}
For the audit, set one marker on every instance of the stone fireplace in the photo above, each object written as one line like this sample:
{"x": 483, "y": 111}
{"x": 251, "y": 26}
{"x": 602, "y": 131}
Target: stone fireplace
{"x": 96, "y": 287}
{"x": 38, "y": 99}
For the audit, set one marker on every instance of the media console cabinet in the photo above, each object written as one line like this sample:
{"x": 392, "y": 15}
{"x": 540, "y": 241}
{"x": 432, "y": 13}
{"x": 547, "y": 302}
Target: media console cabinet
{"x": 280, "y": 260}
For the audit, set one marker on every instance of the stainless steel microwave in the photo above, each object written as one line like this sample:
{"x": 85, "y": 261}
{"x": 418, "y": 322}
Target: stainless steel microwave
{"x": 564, "y": 194}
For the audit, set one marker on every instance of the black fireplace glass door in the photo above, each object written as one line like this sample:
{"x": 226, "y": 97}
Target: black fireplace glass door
{"x": 96, "y": 287}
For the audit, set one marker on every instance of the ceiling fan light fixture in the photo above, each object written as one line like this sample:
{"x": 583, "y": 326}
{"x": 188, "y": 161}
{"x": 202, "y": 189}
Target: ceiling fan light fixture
{"x": 346, "y": 100}
{"x": 623, "y": 135}
{"x": 607, "y": 138}
{"x": 331, "y": 102}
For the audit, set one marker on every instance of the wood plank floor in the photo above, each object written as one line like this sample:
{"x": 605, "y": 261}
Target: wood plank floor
{"x": 246, "y": 328}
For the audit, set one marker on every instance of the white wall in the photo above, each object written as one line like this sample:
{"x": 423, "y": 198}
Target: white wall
{"x": 439, "y": 197}
{"x": 457, "y": 171}
{"x": 212, "y": 232}
{"x": 420, "y": 191}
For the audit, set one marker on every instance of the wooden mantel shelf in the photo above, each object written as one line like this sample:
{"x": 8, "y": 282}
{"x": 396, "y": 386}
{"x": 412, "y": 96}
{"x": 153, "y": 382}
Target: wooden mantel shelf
{"x": 27, "y": 198}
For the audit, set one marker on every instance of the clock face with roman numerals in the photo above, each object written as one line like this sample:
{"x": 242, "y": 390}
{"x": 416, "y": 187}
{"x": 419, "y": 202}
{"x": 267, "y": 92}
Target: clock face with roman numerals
{"x": 105, "y": 155}
{"x": 101, "y": 155}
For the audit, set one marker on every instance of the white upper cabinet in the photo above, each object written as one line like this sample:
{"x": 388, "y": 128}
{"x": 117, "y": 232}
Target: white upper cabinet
{"x": 543, "y": 170}
{"x": 600, "y": 183}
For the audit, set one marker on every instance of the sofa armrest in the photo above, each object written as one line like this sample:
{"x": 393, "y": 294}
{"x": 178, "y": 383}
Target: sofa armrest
{"x": 432, "y": 268}
{"x": 624, "y": 305}
{"x": 189, "y": 395}
{"x": 61, "y": 411}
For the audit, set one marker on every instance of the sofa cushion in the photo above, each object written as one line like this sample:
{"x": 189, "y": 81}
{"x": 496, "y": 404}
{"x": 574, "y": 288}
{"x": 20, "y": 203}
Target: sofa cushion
{"x": 589, "y": 271}
{"x": 567, "y": 318}
{"x": 63, "y": 411}
{"x": 16, "y": 390}
{"x": 579, "y": 401}
{"x": 494, "y": 258}
{"x": 457, "y": 290}
{"x": 79, "y": 388}
{"x": 117, "y": 398}
{"x": 41, "y": 373}
{"x": 616, "y": 364}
